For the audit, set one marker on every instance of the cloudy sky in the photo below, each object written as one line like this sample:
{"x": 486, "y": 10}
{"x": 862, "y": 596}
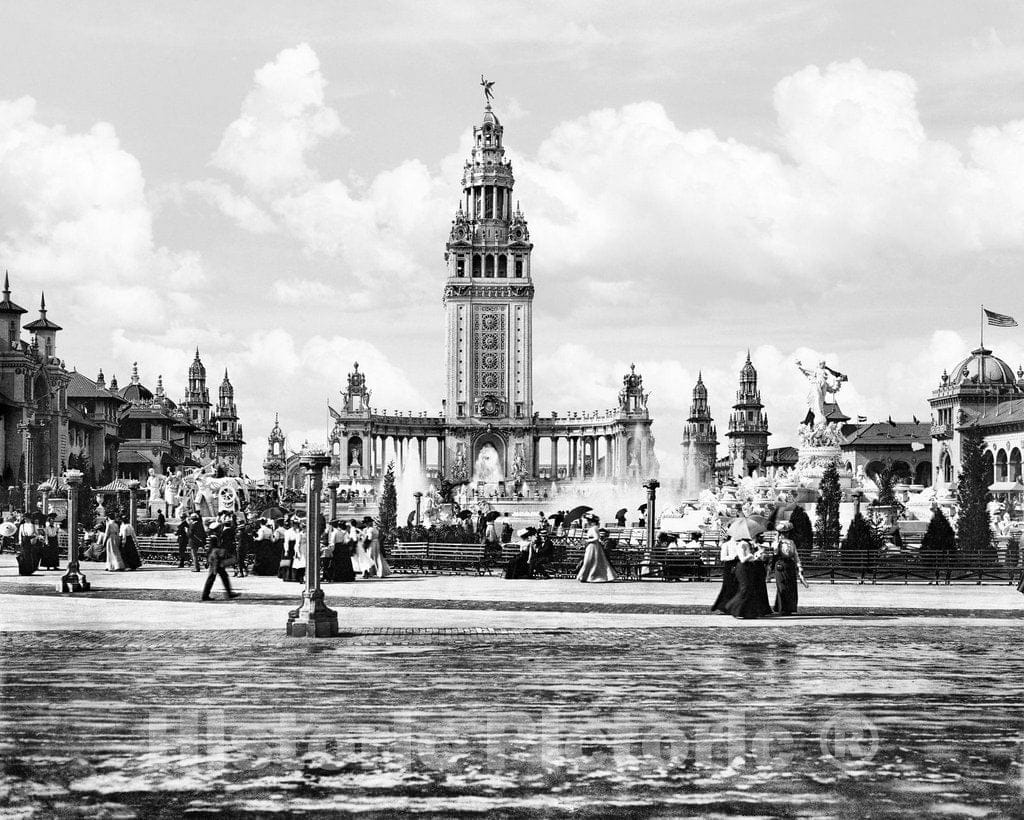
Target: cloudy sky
{"x": 274, "y": 182}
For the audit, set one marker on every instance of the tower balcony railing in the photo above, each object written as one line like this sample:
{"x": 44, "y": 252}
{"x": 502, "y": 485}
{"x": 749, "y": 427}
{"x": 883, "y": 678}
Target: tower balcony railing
{"x": 942, "y": 431}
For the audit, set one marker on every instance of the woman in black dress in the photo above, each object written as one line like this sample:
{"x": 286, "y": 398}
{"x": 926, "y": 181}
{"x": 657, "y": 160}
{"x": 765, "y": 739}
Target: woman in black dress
{"x": 519, "y": 565}
{"x": 50, "y": 554}
{"x": 730, "y": 586}
{"x": 751, "y": 597}
{"x": 785, "y": 565}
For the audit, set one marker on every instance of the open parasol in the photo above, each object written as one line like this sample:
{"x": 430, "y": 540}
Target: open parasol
{"x": 492, "y": 515}
{"x": 642, "y": 507}
{"x": 574, "y": 515}
{"x": 464, "y": 514}
{"x": 745, "y": 528}
{"x": 621, "y": 512}
{"x": 272, "y": 512}
{"x": 8, "y": 528}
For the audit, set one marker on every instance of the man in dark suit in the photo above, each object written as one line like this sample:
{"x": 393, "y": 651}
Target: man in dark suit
{"x": 196, "y": 539}
{"x": 222, "y": 548}
{"x": 183, "y": 540}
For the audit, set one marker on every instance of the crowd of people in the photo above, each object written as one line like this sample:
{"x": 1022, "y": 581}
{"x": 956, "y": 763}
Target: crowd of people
{"x": 747, "y": 564}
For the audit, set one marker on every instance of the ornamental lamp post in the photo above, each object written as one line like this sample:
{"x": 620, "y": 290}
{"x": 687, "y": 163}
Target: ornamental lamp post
{"x": 332, "y": 488}
{"x": 133, "y": 485}
{"x": 74, "y": 579}
{"x": 652, "y": 490}
{"x": 312, "y": 618}
{"x": 419, "y": 497}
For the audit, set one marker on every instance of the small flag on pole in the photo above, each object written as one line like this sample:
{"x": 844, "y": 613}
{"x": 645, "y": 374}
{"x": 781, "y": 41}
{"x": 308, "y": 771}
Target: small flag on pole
{"x": 999, "y": 319}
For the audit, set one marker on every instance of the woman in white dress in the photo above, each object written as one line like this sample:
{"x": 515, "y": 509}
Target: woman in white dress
{"x": 297, "y": 544}
{"x": 371, "y": 538}
{"x": 595, "y": 566}
{"x": 360, "y": 557}
{"x": 112, "y": 544}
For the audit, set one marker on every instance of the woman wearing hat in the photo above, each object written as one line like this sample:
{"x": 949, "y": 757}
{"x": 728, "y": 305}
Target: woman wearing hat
{"x": 751, "y": 598}
{"x": 728, "y": 558}
{"x": 371, "y": 540}
{"x": 359, "y": 556}
{"x": 50, "y": 557}
{"x": 596, "y": 567}
{"x": 519, "y": 565}
{"x": 785, "y": 565}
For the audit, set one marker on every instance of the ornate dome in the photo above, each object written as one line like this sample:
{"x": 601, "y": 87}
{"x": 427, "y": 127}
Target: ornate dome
{"x": 136, "y": 391}
{"x": 981, "y": 367}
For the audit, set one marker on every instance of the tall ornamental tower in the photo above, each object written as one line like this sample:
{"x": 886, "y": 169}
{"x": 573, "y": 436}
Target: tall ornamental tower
{"x": 228, "y": 444}
{"x": 748, "y": 426}
{"x": 197, "y": 397}
{"x": 488, "y": 294}
{"x": 700, "y": 442}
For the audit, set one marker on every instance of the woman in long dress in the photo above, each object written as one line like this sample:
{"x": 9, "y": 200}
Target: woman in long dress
{"x": 50, "y": 558}
{"x": 112, "y": 545}
{"x": 371, "y": 537}
{"x": 284, "y": 560}
{"x": 730, "y": 586}
{"x": 28, "y": 549}
{"x": 747, "y": 603}
{"x": 519, "y": 565}
{"x": 596, "y": 567}
{"x": 341, "y": 559}
{"x": 129, "y": 548}
{"x": 785, "y": 566}
{"x": 297, "y": 549}
{"x": 357, "y": 549}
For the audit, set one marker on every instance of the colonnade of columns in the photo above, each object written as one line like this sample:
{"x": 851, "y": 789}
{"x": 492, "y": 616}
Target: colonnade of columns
{"x": 594, "y": 457}
{"x": 378, "y": 449}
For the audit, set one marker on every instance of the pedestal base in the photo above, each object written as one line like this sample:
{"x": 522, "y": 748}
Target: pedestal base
{"x": 73, "y": 581}
{"x": 811, "y": 464}
{"x": 313, "y": 619}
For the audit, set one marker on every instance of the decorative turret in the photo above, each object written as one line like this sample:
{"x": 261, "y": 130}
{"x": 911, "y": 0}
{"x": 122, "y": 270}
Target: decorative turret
{"x": 228, "y": 442}
{"x": 700, "y": 442}
{"x": 196, "y": 404}
{"x": 748, "y": 425}
{"x": 10, "y": 315}
{"x": 101, "y": 382}
{"x": 632, "y": 398}
{"x": 113, "y": 383}
{"x": 45, "y": 331}
{"x": 274, "y": 463}
{"x": 356, "y": 397}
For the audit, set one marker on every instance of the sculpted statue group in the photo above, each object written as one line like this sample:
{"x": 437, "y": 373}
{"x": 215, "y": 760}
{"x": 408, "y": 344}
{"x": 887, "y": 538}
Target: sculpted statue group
{"x": 822, "y": 382}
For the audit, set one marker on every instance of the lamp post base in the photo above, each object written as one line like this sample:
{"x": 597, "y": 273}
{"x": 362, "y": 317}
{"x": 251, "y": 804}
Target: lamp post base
{"x": 73, "y": 580}
{"x": 313, "y": 618}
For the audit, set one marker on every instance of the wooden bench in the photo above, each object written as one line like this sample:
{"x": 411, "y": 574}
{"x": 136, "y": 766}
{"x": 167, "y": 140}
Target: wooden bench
{"x": 674, "y": 565}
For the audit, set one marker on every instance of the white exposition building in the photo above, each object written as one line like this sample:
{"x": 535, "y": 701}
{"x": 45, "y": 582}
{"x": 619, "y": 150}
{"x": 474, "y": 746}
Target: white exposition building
{"x": 488, "y": 431}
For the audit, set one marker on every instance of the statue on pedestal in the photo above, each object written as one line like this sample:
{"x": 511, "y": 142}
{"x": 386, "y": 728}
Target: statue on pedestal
{"x": 821, "y": 382}
{"x": 171, "y": 490}
{"x": 154, "y": 486}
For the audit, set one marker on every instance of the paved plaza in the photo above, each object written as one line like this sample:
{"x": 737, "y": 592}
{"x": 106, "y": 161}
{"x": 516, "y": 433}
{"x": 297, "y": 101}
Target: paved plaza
{"x": 463, "y": 696}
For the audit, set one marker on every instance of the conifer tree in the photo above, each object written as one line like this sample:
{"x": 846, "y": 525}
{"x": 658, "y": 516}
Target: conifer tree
{"x": 388, "y": 511}
{"x": 803, "y": 530}
{"x": 860, "y": 545}
{"x": 827, "y": 510}
{"x": 938, "y": 546}
{"x": 974, "y": 535}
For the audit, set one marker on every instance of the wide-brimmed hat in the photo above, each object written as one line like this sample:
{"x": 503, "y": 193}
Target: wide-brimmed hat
{"x": 784, "y": 526}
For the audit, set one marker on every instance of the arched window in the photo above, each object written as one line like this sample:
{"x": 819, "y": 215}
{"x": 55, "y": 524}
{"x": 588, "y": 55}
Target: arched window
{"x": 1014, "y": 464}
{"x": 476, "y": 266}
{"x": 502, "y": 267}
{"x": 1002, "y": 466}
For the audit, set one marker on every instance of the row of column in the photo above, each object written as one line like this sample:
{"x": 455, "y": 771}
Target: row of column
{"x": 610, "y": 446}
{"x": 488, "y": 202}
{"x": 404, "y": 450}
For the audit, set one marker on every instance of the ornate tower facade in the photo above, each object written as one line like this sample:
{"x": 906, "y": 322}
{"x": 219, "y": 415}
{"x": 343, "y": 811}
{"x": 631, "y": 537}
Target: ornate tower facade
{"x": 228, "y": 443}
{"x": 197, "y": 397}
{"x": 700, "y": 442}
{"x": 274, "y": 463}
{"x": 488, "y": 297}
{"x": 748, "y": 426}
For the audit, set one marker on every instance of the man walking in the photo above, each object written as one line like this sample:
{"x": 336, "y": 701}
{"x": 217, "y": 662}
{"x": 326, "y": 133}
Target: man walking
{"x": 221, "y": 550}
{"x": 182, "y": 536}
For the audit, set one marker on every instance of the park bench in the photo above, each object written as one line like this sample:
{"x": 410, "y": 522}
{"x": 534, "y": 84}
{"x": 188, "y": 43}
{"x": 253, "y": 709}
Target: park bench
{"x": 674, "y": 565}
{"x": 409, "y": 557}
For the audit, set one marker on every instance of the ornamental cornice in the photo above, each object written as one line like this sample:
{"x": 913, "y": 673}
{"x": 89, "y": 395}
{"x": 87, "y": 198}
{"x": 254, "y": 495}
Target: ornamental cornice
{"x": 457, "y": 291}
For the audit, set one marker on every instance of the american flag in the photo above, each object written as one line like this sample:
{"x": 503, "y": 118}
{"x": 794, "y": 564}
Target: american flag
{"x": 998, "y": 319}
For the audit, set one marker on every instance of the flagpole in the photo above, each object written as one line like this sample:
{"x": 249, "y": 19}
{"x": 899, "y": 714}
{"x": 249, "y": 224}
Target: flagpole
{"x": 982, "y": 325}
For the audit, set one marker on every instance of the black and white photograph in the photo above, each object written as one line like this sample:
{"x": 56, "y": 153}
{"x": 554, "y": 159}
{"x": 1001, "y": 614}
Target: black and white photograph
{"x": 572, "y": 409}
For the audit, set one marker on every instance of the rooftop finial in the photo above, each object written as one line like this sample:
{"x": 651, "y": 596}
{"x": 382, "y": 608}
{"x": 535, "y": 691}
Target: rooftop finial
{"x": 135, "y": 372}
{"x": 487, "y": 86}
{"x": 7, "y": 284}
